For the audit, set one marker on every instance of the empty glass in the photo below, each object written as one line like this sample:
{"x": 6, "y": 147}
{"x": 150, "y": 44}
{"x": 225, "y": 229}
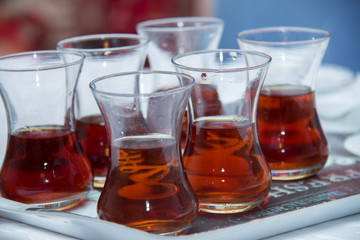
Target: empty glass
{"x": 290, "y": 134}
{"x": 146, "y": 187}
{"x": 104, "y": 54}
{"x": 222, "y": 157}
{"x": 43, "y": 164}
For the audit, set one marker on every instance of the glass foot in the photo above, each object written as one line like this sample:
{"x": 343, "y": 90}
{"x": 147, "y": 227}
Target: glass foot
{"x": 228, "y": 208}
{"x": 284, "y": 175}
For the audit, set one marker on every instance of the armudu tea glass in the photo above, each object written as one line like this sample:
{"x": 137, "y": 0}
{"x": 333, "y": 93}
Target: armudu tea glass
{"x": 289, "y": 129}
{"x": 222, "y": 157}
{"x": 104, "y": 54}
{"x": 146, "y": 187}
{"x": 44, "y": 164}
{"x": 172, "y": 36}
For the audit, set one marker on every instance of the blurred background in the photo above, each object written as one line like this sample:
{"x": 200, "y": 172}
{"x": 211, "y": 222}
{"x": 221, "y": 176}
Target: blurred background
{"x": 39, "y": 24}
{"x": 340, "y": 17}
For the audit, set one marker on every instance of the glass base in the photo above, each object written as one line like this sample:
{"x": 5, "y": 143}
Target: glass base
{"x": 293, "y": 174}
{"x": 99, "y": 182}
{"x": 227, "y": 208}
{"x": 63, "y": 204}
{"x": 162, "y": 227}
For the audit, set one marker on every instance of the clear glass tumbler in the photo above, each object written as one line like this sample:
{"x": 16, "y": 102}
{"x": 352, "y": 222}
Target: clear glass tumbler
{"x": 290, "y": 133}
{"x": 104, "y": 54}
{"x": 222, "y": 157}
{"x": 172, "y": 36}
{"x": 146, "y": 187}
{"x": 43, "y": 164}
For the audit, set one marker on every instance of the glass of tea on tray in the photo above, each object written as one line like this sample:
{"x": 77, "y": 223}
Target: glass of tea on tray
{"x": 222, "y": 157}
{"x": 146, "y": 187}
{"x": 43, "y": 163}
{"x": 290, "y": 134}
{"x": 104, "y": 54}
{"x": 172, "y": 36}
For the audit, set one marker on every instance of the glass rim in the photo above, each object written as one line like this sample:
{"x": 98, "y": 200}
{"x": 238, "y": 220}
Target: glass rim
{"x": 238, "y": 69}
{"x": 154, "y": 24}
{"x": 143, "y": 41}
{"x": 41, "y": 52}
{"x": 241, "y": 36}
{"x": 139, "y": 73}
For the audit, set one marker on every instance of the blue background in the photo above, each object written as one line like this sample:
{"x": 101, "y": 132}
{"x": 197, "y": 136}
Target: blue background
{"x": 340, "y": 17}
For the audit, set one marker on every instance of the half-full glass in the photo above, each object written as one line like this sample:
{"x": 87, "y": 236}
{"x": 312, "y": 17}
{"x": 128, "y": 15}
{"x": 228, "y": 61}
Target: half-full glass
{"x": 104, "y": 54}
{"x": 222, "y": 157}
{"x": 43, "y": 164}
{"x": 290, "y": 134}
{"x": 146, "y": 186}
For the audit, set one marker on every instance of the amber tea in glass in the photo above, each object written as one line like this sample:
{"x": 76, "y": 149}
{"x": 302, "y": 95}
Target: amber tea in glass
{"x": 104, "y": 54}
{"x": 146, "y": 187}
{"x": 289, "y": 129}
{"x": 222, "y": 157}
{"x": 92, "y": 135}
{"x": 235, "y": 176}
{"x": 44, "y": 164}
{"x": 147, "y": 170}
{"x": 283, "y": 113}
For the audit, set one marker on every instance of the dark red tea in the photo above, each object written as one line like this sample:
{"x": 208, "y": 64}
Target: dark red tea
{"x": 225, "y": 167}
{"x": 143, "y": 187}
{"x": 93, "y": 138}
{"x": 184, "y": 128}
{"x": 290, "y": 133}
{"x": 44, "y": 164}
{"x": 208, "y": 104}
